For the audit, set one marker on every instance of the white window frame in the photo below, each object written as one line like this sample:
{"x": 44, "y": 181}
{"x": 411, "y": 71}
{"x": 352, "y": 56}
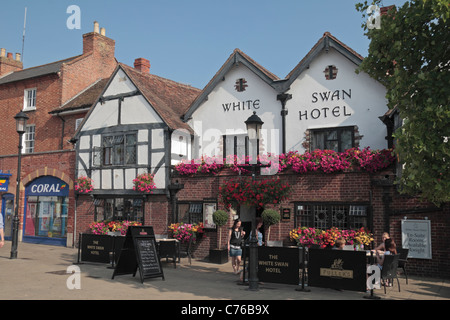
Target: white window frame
{"x": 26, "y": 139}
{"x": 26, "y": 100}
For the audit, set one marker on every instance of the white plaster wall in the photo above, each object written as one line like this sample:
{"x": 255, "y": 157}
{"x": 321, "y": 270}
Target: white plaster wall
{"x": 210, "y": 121}
{"x": 137, "y": 110}
{"x": 102, "y": 116}
{"x": 366, "y": 104}
{"x": 120, "y": 84}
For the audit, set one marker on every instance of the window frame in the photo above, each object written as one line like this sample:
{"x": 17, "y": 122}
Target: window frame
{"x": 26, "y": 99}
{"x": 131, "y": 203}
{"x": 236, "y": 146}
{"x": 339, "y": 131}
{"x": 25, "y": 139}
{"x": 117, "y": 147}
{"x": 354, "y": 216}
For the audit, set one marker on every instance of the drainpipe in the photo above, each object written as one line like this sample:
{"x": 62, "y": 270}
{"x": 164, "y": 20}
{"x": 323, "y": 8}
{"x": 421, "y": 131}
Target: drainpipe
{"x": 283, "y": 97}
{"x": 61, "y": 144}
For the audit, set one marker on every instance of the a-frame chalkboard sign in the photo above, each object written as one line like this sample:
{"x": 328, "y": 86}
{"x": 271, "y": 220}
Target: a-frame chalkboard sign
{"x": 139, "y": 252}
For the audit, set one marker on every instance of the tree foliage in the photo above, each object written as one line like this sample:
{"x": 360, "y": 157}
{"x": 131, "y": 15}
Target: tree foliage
{"x": 410, "y": 55}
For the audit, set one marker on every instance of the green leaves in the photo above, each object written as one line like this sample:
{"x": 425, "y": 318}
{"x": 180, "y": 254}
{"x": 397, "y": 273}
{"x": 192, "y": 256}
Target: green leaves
{"x": 410, "y": 55}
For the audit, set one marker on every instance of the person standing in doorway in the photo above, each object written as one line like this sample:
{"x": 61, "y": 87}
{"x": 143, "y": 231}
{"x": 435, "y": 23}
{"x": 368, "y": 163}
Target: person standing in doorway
{"x": 235, "y": 237}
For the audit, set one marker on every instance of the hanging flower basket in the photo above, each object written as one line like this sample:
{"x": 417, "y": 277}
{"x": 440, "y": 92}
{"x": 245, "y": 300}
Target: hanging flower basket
{"x": 84, "y": 185}
{"x": 254, "y": 193}
{"x": 144, "y": 183}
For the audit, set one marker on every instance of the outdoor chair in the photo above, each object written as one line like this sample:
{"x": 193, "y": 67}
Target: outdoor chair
{"x": 169, "y": 249}
{"x": 389, "y": 270}
{"x": 402, "y": 261}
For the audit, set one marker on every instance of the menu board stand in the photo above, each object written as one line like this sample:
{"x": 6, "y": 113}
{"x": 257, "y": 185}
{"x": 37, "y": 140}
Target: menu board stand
{"x": 139, "y": 252}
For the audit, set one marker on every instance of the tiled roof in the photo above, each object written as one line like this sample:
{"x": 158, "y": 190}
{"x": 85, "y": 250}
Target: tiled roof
{"x": 85, "y": 99}
{"x": 321, "y": 42}
{"x": 170, "y": 99}
{"x": 38, "y": 71}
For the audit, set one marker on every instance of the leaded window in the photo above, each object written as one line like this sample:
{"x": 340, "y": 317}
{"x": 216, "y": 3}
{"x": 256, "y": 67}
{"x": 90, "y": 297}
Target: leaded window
{"x": 325, "y": 216}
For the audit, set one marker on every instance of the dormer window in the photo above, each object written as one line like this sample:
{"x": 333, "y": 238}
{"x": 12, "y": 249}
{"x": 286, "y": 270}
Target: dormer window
{"x": 29, "y": 100}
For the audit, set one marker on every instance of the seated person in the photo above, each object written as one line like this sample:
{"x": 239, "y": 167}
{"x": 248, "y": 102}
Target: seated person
{"x": 391, "y": 249}
{"x": 382, "y": 246}
{"x": 339, "y": 245}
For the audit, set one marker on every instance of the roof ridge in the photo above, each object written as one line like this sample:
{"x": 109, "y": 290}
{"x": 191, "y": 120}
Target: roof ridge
{"x": 150, "y": 75}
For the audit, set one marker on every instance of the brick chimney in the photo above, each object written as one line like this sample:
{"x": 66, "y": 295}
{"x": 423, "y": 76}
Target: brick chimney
{"x": 384, "y": 10}
{"x": 142, "y": 65}
{"x": 8, "y": 63}
{"x": 98, "y": 43}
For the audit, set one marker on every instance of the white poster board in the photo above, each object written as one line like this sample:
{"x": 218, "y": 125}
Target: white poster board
{"x": 416, "y": 236}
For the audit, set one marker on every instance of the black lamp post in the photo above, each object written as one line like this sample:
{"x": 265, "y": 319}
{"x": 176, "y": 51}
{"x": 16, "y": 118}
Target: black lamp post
{"x": 254, "y": 124}
{"x": 21, "y": 124}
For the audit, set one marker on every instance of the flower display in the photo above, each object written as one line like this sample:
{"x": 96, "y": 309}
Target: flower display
{"x": 103, "y": 227}
{"x": 305, "y": 236}
{"x": 84, "y": 185}
{"x": 327, "y": 161}
{"x": 183, "y": 232}
{"x": 254, "y": 193}
{"x": 144, "y": 183}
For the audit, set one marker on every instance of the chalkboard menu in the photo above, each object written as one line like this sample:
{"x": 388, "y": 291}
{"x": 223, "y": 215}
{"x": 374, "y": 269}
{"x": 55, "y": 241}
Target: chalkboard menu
{"x": 139, "y": 252}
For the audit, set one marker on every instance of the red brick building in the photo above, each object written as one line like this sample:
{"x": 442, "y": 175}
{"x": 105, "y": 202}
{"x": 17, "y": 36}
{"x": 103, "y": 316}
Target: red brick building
{"x": 55, "y": 97}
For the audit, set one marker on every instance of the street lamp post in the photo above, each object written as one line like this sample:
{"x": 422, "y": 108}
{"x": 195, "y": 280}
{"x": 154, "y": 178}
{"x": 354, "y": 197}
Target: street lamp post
{"x": 254, "y": 124}
{"x": 21, "y": 124}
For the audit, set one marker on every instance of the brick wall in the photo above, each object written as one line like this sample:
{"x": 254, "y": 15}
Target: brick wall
{"x": 377, "y": 189}
{"x": 58, "y": 164}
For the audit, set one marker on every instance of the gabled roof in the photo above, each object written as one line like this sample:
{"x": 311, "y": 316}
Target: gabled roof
{"x": 324, "y": 44}
{"x": 34, "y": 72}
{"x": 83, "y": 100}
{"x": 235, "y": 58}
{"x": 170, "y": 99}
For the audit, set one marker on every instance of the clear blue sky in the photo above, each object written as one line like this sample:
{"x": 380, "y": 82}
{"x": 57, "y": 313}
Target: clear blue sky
{"x": 185, "y": 40}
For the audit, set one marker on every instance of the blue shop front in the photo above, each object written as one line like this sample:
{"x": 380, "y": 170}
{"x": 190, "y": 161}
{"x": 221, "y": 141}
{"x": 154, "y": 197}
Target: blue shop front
{"x": 46, "y": 208}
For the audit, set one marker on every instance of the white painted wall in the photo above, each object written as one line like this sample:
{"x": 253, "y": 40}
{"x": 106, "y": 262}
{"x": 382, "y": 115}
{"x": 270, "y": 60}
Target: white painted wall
{"x": 366, "y": 104}
{"x": 226, "y": 110}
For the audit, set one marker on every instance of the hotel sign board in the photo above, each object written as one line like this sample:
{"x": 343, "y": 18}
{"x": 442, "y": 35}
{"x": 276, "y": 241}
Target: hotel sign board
{"x": 337, "y": 269}
{"x": 416, "y": 236}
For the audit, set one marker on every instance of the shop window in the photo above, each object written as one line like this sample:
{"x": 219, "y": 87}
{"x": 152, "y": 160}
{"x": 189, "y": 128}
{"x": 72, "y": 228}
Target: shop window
{"x": 190, "y": 212}
{"x": 46, "y": 216}
{"x": 195, "y": 212}
{"x": 116, "y": 150}
{"x": 29, "y": 100}
{"x": 325, "y": 216}
{"x": 120, "y": 209}
{"x": 337, "y": 139}
{"x": 29, "y": 138}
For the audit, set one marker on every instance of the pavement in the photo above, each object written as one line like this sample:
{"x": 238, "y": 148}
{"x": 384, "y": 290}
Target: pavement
{"x": 40, "y": 272}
